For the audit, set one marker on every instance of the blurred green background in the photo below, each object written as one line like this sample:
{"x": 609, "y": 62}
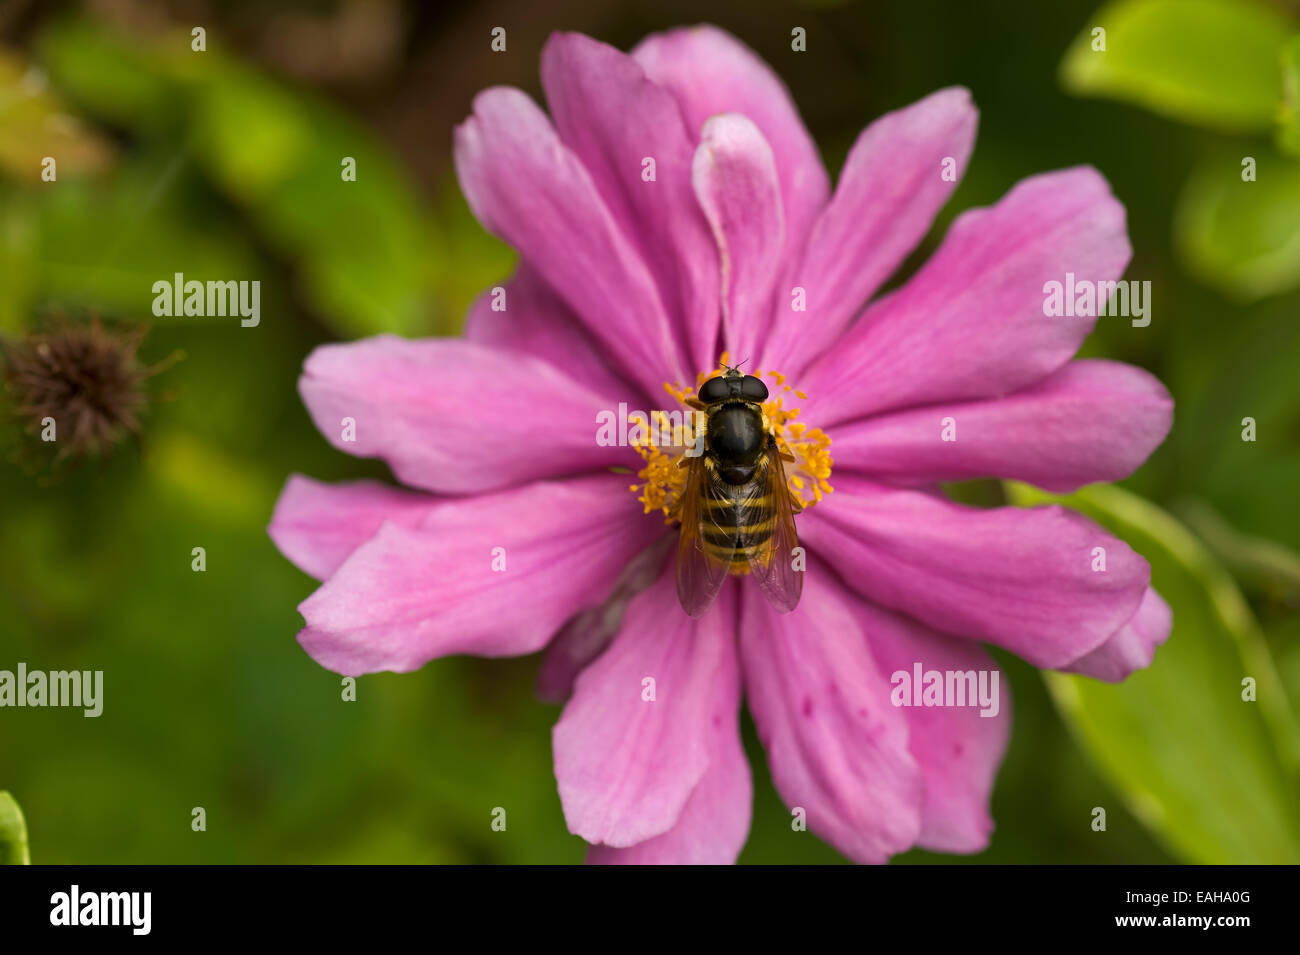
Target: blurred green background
{"x": 226, "y": 164}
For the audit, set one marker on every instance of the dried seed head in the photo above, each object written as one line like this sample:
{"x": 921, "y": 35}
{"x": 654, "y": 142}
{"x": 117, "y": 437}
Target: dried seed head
{"x": 87, "y": 378}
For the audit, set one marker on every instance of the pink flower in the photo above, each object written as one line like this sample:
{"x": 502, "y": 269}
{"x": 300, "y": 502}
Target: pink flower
{"x": 517, "y": 537}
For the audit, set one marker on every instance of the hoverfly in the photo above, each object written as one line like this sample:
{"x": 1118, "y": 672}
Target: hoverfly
{"x": 736, "y": 512}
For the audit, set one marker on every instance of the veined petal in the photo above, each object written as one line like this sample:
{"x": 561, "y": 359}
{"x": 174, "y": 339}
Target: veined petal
{"x": 710, "y": 72}
{"x": 626, "y": 763}
{"x": 958, "y": 747}
{"x": 971, "y": 323}
{"x": 1019, "y": 578}
{"x": 586, "y": 636}
{"x": 898, "y": 175}
{"x": 1090, "y": 421}
{"x": 614, "y": 118}
{"x": 455, "y": 416}
{"x": 535, "y": 321}
{"x": 526, "y": 186}
{"x": 494, "y": 575}
{"x": 317, "y": 525}
{"x": 836, "y": 747}
{"x": 1133, "y": 646}
{"x": 714, "y": 822}
{"x": 736, "y": 183}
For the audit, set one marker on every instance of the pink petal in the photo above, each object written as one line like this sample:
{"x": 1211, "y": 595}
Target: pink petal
{"x": 958, "y": 749}
{"x": 627, "y": 766}
{"x": 836, "y": 747}
{"x": 1133, "y": 646}
{"x": 318, "y": 525}
{"x": 714, "y": 822}
{"x": 891, "y": 188}
{"x": 535, "y": 321}
{"x": 613, "y": 118}
{"x": 586, "y": 636}
{"x": 526, "y": 186}
{"x": 736, "y": 182}
{"x": 710, "y": 72}
{"x": 971, "y": 322}
{"x": 1019, "y": 578}
{"x": 454, "y": 416}
{"x": 1090, "y": 421}
{"x": 409, "y": 595}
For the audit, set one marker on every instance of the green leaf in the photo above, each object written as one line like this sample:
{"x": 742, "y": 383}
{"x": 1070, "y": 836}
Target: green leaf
{"x": 37, "y": 125}
{"x": 361, "y": 246}
{"x": 13, "y": 833}
{"x": 113, "y": 77}
{"x": 1288, "y": 131}
{"x": 1242, "y": 237}
{"x": 1207, "y": 62}
{"x": 1212, "y": 776}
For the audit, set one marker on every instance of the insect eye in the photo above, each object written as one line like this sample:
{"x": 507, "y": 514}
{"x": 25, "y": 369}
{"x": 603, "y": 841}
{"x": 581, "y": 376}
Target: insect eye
{"x": 715, "y": 389}
{"x": 753, "y": 389}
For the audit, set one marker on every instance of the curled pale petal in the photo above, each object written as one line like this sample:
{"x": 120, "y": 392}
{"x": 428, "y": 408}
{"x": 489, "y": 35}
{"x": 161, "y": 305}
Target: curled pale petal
{"x": 958, "y": 746}
{"x": 529, "y": 318}
{"x": 972, "y": 322}
{"x": 494, "y": 575}
{"x": 1090, "y": 421}
{"x": 614, "y": 119}
{"x": 626, "y": 764}
{"x": 586, "y": 636}
{"x": 527, "y": 187}
{"x": 1019, "y": 578}
{"x": 898, "y": 175}
{"x": 318, "y": 525}
{"x": 1133, "y": 646}
{"x": 736, "y": 183}
{"x": 455, "y": 416}
{"x": 710, "y": 72}
{"x": 836, "y": 747}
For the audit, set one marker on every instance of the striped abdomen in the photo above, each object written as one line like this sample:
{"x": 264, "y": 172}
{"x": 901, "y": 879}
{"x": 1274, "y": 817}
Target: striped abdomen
{"x": 737, "y": 521}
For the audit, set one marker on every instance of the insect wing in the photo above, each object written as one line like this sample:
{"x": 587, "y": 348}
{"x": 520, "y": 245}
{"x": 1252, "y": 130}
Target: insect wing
{"x": 699, "y": 573}
{"x": 772, "y": 565}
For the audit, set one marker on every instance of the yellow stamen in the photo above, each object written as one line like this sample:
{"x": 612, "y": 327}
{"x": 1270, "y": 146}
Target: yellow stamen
{"x": 663, "y": 478}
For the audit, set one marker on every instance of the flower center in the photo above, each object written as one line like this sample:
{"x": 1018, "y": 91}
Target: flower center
{"x": 663, "y": 479}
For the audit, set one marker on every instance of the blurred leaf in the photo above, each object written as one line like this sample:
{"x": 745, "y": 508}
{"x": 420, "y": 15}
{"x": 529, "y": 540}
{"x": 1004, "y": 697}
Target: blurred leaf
{"x": 151, "y": 218}
{"x": 215, "y": 483}
{"x": 1225, "y": 365}
{"x": 1284, "y": 637}
{"x": 1212, "y": 776}
{"x": 1242, "y": 237}
{"x": 36, "y": 124}
{"x": 13, "y": 833}
{"x": 1261, "y": 564}
{"x": 362, "y": 247}
{"x": 1207, "y": 62}
{"x": 467, "y": 259}
{"x": 1288, "y": 133}
{"x": 115, "y": 78}
{"x": 18, "y": 264}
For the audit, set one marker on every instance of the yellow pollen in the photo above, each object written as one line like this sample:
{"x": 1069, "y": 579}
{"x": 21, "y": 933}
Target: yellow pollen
{"x": 663, "y": 478}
